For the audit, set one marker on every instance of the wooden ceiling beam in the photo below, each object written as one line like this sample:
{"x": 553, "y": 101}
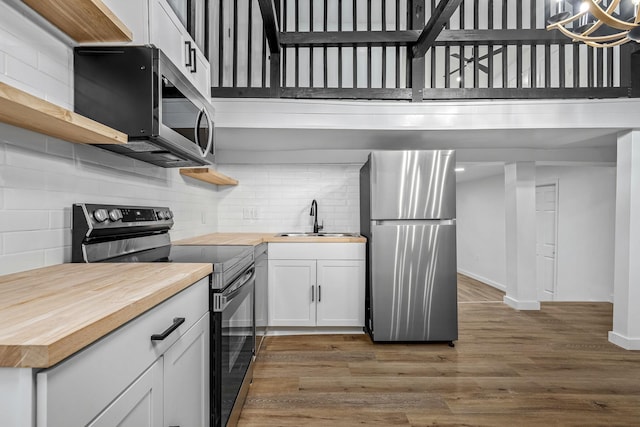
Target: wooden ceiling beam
{"x": 270, "y": 23}
{"x": 439, "y": 18}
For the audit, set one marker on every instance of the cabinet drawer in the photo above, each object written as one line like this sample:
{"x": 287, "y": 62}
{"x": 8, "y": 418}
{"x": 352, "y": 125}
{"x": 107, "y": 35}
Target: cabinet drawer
{"x": 316, "y": 250}
{"x": 77, "y": 389}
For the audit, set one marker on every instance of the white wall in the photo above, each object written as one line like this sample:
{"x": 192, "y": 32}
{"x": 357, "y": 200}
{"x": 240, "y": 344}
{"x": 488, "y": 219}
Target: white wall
{"x": 481, "y": 230}
{"x": 41, "y": 177}
{"x": 586, "y": 220}
{"x": 585, "y": 252}
{"x": 281, "y": 195}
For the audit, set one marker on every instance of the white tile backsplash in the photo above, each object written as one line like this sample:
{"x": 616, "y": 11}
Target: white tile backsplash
{"x": 281, "y": 196}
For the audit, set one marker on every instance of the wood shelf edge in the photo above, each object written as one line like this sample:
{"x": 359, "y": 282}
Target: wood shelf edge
{"x": 85, "y": 21}
{"x": 19, "y": 108}
{"x": 208, "y": 175}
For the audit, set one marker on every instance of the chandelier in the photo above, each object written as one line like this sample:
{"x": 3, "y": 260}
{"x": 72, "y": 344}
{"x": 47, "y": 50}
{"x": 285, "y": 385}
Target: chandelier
{"x": 598, "y": 24}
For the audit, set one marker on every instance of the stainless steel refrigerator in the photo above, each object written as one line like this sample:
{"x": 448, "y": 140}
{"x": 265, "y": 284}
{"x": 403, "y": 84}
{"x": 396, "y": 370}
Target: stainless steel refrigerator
{"x": 407, "y": 213}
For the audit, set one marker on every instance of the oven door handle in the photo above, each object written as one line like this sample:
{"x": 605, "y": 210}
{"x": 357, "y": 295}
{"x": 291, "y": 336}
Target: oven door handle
{"x": 222, "y": 300}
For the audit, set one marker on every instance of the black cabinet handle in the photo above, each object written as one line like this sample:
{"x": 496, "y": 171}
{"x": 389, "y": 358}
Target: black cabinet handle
{"x": 319, "y": 293}
{"x": 176, "y": 322}
{"x": 194, "y": 61}
{"x": 187, "y": 44}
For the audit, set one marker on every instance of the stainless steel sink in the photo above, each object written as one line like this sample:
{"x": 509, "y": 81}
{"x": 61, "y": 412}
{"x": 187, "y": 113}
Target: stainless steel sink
{"x": 295, "y": 234}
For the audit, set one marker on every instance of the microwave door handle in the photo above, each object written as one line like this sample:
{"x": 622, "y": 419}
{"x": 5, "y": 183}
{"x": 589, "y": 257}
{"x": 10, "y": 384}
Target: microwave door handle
{"x": 210, "y": 146}
{"x": 210, "y": 136}
{"x": 196, "y": 134}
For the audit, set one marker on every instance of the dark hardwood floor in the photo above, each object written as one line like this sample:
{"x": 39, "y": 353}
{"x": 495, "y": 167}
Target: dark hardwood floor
{"x": 552, "y": 367}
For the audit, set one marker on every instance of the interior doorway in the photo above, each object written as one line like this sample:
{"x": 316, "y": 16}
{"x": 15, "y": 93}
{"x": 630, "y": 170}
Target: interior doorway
{"x": 546, "y": 240}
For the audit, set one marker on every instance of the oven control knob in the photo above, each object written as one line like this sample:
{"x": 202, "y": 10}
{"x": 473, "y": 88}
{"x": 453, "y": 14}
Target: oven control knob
{"x": 161, "y": 215}
{"x": 100, "y": 215}
{"x": 115, "y": 214}
{"x": 168, "y": 214}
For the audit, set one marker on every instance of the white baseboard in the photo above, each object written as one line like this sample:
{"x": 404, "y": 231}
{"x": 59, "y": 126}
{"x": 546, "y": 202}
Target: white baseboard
{"x": 489, "y": 282}
{"x": 624, "y": 342}
{"x": 521, "y": 305}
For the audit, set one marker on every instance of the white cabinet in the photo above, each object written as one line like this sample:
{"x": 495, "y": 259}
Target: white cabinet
{"x": 186, "y": 378}
{"x": 309, "y": 287}
{"x": 291, "y": 292}
{"x": 140, "y": 405}
{"x": 167, "y": 33}
{"x": 155, "y": 22}
{"x": 340, "y": 293}
{"x": 129, "y": 379}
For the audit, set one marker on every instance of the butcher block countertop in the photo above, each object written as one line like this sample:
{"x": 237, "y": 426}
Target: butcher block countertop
{"x": 50, "y": 313}
{"x": 249, "y": 239}
{"x": 254, "y": 239}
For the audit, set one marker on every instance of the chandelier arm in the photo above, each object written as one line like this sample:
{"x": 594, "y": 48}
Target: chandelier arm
{"x": 604, "y": 45}
{"x": 569, "y": 20}
{"x": 599, "y": 23}
{"x": 583, "y": 38}
{"x": 606, "y": 18}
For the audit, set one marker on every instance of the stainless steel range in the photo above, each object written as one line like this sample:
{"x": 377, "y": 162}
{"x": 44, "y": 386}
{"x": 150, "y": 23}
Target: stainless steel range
{"x": 110, "y": 233}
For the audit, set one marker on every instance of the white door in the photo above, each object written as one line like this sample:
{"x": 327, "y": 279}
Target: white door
{"x": 340, "y": 299}
{"x": 140, "y": 405}
{"x": 186, "y": 378}
{"x": 546, "y": 240}
{"x": 292, "y": 292}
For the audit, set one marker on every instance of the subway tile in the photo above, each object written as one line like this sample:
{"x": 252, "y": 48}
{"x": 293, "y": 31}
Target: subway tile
{"x": 60, "y": 218}
{"x": 23, "y": 71}
{"x": 59, "y": 147}
{"x": 12, "y": 221}
{"x": 28, "y": 241}
{"x": 57, "y": 255}
{"x": 22, "y": 178}
{"x": 18, "y": 49}
{"x": 58, "y": 68}
{"x": 14, "y": 136}
{"x": 31, "y": 154}
{"x": 13, "y": 263}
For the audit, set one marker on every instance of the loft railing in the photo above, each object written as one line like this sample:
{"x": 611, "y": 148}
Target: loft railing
{"x": 356, "y": 49}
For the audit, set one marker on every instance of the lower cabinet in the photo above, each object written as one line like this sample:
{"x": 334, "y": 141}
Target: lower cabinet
{"x": 186, "y": 378}
{"x": 129, "y": 378}
{"x": 174, "y": 389}
{"x": 140, "y": 405}
{"x": 315, "y": 292}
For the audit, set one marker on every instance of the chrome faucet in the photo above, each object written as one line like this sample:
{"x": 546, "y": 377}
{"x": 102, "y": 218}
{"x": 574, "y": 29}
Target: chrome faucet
{"x": 314, "y": 214}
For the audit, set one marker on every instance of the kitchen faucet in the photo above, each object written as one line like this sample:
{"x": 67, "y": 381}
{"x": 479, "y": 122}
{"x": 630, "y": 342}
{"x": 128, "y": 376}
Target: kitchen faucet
{"x": 314, "y": 214}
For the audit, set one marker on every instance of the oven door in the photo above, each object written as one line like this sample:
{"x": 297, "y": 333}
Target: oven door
{"x": 232, "y": 344}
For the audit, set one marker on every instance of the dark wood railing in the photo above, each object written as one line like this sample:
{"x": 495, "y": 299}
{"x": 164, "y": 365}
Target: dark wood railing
{"x": 399, "y": 50}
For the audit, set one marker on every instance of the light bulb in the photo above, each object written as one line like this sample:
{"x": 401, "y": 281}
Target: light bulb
{"x": 584, "y": 6}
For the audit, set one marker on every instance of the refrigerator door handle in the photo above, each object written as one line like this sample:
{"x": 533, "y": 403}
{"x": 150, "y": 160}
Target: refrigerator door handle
{"x": 391, "y": 222}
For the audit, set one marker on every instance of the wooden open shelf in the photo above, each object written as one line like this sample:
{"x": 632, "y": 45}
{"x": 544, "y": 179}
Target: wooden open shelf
{"x": 85, "y": 21}
{"x": 24, "y": 110}
{"x": 208, "y": 175}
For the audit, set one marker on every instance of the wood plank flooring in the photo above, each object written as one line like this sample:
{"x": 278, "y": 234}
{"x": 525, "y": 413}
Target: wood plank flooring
{"x": 552, "y": 367}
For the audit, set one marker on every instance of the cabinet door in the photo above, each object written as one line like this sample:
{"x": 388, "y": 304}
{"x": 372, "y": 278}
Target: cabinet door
{"x": 140, "y": 405}
{"x": 186, "y": 378}
{"x": 292, "y": 293}
{"x": 166, "y": 32}
{"x": 340, "y": 293}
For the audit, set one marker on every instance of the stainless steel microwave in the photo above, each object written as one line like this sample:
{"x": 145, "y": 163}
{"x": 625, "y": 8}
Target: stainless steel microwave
{"x": 139, "y": 91}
